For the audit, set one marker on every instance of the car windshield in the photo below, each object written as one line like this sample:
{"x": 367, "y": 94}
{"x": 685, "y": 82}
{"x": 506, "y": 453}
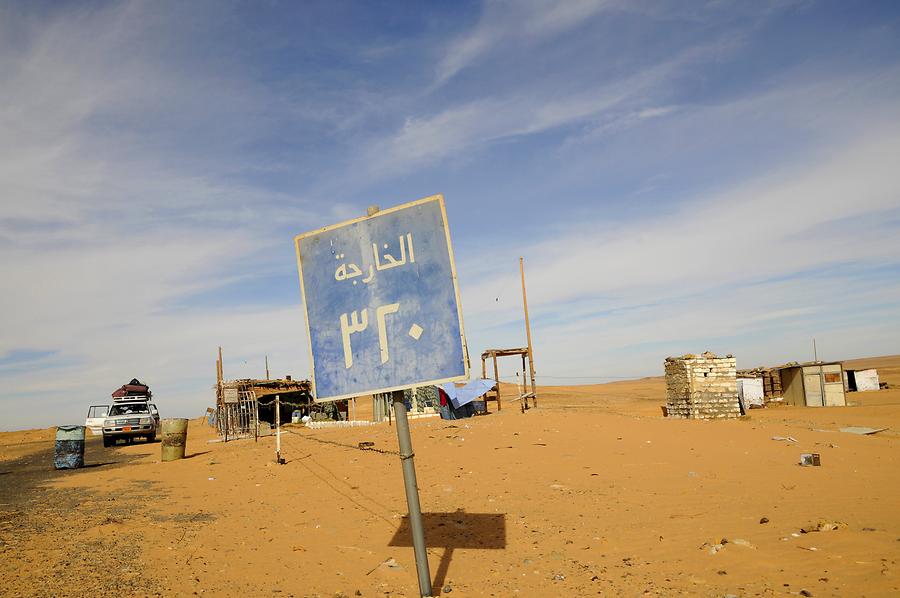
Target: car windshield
{"x": 128, "y": 409}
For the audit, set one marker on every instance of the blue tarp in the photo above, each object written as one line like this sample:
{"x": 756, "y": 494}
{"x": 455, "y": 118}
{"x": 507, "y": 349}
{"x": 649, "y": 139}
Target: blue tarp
{"x": 468, "y": 393}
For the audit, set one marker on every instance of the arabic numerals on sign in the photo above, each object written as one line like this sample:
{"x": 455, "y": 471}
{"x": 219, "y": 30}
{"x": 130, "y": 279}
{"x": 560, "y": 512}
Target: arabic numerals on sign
{"x": 358, "y": 321}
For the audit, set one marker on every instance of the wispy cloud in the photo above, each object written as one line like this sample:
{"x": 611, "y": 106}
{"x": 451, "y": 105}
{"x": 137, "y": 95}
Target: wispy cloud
{"x": 528, "y": 21}
{"x": 531, "y": 110}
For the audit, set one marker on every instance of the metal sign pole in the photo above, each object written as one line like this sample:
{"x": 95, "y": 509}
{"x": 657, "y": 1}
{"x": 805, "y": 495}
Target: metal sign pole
{"x": 412, "y": 494}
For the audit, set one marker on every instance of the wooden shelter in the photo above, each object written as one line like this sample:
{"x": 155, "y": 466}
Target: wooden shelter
{"x": 494, "y": 393}
{"x": 242, "y": 404}
{"x": 525, "y": 352}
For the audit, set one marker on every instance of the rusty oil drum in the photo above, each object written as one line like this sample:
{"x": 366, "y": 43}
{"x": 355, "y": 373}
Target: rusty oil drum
{"x": 174, "y": 437}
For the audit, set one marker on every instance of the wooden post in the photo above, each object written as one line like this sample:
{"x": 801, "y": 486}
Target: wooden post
{"x": 219, "y": 405}
{"x": 256, "y": 415}
{"x": 497, "y": 378}
{"x": 278, "y": 458}
{"x": 483, "y": 367}
{"x": 267, "y": 368}
{"x": 524, "y": 383}
{"x": 528, "y": 330}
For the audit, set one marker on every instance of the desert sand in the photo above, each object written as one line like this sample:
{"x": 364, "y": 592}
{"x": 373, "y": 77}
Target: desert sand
{"x": 592, "y": 493}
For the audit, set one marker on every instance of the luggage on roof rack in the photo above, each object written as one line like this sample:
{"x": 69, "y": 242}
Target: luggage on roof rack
{"x": 133, "y": 389}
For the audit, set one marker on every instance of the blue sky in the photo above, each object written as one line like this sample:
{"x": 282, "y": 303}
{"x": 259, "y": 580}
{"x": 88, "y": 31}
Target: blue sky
{"x": 718, "y": 175}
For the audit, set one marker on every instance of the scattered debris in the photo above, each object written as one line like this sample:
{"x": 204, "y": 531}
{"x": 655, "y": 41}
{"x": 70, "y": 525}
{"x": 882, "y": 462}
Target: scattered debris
{"x": 559, "y": 577}
{"x": 862, "y": 430}
{"x": 390, "y": 564}
{"x": 742, "y": 542}
{"x": 810, "y": 460}
{"x": 787, "y": 438}
{"x": 822, "y": 525}
{"x": 763, "y": 520}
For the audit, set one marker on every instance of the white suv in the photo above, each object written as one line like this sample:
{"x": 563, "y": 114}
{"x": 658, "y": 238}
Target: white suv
{"x": 129, "y": 418}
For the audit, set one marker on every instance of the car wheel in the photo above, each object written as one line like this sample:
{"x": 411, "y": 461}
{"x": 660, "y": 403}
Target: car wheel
{"x": 151, "y": 438}
{"x": 107, "y": 441}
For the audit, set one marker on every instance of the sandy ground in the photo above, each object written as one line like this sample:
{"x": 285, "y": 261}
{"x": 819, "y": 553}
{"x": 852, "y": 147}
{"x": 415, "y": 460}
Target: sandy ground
{"x": 592, "y": 493}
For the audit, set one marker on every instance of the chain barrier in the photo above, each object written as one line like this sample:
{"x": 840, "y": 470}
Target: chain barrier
{"x": 280, "y": 402}
{"x": 362, "y": 446}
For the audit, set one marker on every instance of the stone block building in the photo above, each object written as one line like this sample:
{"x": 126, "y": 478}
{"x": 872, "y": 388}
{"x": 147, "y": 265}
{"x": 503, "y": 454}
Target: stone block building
{"x": 701, "y": 387}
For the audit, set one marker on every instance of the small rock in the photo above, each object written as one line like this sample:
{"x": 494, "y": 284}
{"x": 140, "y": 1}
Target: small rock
{"x": 447, "y": 589}
{"x": 805, "y": 593}
{"x": 763, "y": 520}
{"x": 559, "y": 577}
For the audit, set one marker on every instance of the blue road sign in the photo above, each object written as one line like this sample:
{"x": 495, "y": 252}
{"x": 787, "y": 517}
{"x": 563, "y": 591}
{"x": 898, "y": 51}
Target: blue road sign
{"x": 382, "y": 302}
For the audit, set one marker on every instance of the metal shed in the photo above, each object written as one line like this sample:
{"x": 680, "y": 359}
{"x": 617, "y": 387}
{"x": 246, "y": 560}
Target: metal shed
{"x": 861, "y": 380}
{"x": 814, "y": 384}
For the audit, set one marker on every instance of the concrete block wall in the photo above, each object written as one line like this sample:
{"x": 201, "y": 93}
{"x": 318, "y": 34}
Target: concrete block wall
{"x": 701, "y": 387}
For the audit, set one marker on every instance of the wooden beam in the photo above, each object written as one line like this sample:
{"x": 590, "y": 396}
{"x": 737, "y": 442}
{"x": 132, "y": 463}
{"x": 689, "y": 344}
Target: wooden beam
{"x": 497, "y": 378}
{"x": 528, "y": 329}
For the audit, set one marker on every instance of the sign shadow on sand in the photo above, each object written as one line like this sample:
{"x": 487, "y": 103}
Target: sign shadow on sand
{"x": 485, "y": 531}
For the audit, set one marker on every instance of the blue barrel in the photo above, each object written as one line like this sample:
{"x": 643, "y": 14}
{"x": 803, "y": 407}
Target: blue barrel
{"x": 69, "y": 452}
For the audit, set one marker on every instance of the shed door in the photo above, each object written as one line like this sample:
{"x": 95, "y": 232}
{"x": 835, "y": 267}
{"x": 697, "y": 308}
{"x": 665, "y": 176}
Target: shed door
{"x": 812, "y": 386}
{"x": 834, "y": 386}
